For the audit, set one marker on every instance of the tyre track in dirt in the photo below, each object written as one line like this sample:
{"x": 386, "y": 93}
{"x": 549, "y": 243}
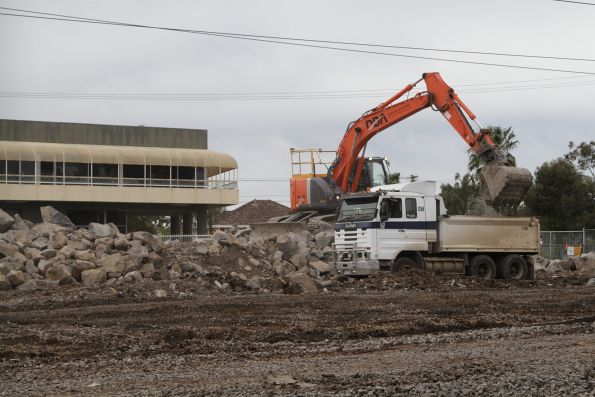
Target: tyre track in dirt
{"x": 329, "y": 344}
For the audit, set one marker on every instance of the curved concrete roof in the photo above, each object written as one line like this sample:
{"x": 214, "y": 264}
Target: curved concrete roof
{"x": 215, "y": 162}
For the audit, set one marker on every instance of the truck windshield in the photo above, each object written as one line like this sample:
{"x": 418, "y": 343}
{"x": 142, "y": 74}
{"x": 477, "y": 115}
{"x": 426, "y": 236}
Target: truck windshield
{"x": 358, "y": 209}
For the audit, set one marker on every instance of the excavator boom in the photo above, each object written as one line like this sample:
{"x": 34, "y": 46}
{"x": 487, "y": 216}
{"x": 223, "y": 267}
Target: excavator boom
{"x": 502, "y": 183}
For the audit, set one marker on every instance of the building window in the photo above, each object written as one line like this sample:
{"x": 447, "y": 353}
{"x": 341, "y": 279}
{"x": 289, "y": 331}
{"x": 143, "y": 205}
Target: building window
{"x": 184, "y": 176}
{"x": 60, "y": 172}
{"x": 133, "y": 175}
{"x": 105, "y": 174}
{"x": 158, "y": 175}
{"x": 12, "y": 169}
{"x": 200, "y": 176}
{"x": 47, "y": 171}
{"x": 76, "y": 173}
{"x": 28, "y": 171}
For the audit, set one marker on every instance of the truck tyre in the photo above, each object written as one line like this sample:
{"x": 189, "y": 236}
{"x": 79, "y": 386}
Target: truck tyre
{"x": 513, "y": 267}
{"x": 404, "y": 261}
{"x": 483, "y": 266}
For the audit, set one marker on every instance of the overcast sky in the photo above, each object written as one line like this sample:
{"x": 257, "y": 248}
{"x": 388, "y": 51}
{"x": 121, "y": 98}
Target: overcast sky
{"x": 545, "y": 109}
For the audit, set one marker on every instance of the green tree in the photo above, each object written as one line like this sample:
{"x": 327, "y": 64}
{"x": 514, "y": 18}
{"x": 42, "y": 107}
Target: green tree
{"x": 506, "y": 141}
{"x": 151, "y": 224}
{"x": 582, "y": 155}
{"x": 460, "y": 197}
{"x": 413, "y": 178}
{"x": 394, "y": 177}
{"x": 562, "y": 197}
{"x": 213, "y": 215}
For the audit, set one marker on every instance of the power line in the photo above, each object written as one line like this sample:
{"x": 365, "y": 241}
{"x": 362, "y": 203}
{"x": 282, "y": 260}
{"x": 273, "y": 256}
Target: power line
{"x": 383, "y": 91}
{"x": 366, "y": 92}
{"x": 258, "y": 97}
{"x": 256, "y": 38}
{"x": 576, "y": 2}
{"x": 416, "y": 48}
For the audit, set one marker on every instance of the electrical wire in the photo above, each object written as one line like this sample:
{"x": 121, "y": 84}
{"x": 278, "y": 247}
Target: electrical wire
{"x": 68, "y": 18}
{"x": 416, "y": 48}
{"x": 262, "y": 96}
{"x": 576, "y": 2}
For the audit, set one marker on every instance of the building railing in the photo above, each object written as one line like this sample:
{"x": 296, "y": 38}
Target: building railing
{"x": 554, "y": 243}
{"x": 185, "y": 238}
{"x": 115, "y": 181}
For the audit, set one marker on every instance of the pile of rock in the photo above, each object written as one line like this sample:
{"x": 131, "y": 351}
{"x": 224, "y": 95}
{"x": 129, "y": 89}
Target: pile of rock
{"x": 583, "y": 265}
{"x": 54, "y": 252}
{"x": 232, "y": 260}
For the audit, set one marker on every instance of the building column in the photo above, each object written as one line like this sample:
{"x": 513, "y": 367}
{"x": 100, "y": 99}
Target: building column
{"x": 187, "y": 222}
{"x": 175, "y": 224}
{"x": 202, "y": 220}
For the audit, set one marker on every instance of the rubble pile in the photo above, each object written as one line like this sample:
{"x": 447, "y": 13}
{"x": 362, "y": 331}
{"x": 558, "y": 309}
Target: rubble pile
{"x": 582, "y": 265}
{"x": 55, "y": 253}
{"x": 232, "y": 260}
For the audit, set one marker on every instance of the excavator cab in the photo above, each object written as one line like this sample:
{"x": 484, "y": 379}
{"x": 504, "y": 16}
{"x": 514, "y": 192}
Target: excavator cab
{"x": 311, "y": 188}
{"x": 374, "y": 173}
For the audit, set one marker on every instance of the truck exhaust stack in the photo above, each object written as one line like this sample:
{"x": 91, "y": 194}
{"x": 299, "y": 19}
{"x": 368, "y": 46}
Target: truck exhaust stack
{"x": 504, "y": 184}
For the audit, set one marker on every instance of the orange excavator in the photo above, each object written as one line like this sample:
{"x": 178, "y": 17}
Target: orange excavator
{"x": 351, "y": 171}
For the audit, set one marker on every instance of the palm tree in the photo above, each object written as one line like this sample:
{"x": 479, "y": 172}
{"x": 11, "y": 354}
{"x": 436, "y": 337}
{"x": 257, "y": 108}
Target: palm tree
{"x": 506, "y": 141}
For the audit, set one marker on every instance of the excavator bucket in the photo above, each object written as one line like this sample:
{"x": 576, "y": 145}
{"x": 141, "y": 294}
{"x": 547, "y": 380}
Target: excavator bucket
{"x": 504, "y": 184}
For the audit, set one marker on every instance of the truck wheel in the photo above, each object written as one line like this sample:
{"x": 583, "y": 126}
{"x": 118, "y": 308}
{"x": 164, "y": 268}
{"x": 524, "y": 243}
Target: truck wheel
{"x": 404, "y": 261}
{"x": 483, "y": 266}
{"x": 513, "y": 267}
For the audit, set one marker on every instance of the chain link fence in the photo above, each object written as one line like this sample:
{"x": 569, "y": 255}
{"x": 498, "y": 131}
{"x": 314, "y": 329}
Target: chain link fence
{"x": 554, "y": 244}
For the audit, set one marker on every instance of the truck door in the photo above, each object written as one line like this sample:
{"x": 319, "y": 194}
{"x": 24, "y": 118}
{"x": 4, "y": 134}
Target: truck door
{"x": 390, "y": 239}
{"x": 414, "y": 224}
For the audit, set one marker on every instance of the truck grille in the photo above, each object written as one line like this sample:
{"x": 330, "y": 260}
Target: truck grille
{"x": 346, "y": 240}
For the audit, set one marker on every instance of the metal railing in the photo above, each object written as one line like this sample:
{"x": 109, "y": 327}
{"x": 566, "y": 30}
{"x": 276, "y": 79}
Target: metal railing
{"x": 115, "y": 181}
{"x": 555, "y": 243}
{"x": 185, "y": 238}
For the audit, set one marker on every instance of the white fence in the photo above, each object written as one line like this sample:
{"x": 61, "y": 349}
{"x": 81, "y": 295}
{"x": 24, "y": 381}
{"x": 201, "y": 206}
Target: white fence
{"x": 183, "y": 237}
{"x": 554, "y": 243}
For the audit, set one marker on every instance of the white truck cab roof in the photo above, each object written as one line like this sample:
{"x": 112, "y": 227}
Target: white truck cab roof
{"x": 421, "y": 188}
{"x": 424, "y": 188}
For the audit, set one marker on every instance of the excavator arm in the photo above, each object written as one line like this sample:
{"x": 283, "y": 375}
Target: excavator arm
{"x": 508, "y": 184}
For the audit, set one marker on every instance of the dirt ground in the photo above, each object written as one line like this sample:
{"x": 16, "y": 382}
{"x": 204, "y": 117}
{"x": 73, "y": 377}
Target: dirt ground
{"x": 531, "y": 340}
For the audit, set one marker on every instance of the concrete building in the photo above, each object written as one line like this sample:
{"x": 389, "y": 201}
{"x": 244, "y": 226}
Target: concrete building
{"x": 106, "y": 173}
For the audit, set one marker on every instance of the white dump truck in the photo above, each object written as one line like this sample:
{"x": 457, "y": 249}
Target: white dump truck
{"x": 408, "y": 225}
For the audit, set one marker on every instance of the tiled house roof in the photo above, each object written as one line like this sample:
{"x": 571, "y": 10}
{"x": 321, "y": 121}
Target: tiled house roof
{"x": 255, "y": 211}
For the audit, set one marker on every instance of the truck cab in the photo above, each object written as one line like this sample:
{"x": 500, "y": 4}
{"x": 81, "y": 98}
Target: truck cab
{"x": 373, "y": 228}
{"x": 407, "y": 224}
